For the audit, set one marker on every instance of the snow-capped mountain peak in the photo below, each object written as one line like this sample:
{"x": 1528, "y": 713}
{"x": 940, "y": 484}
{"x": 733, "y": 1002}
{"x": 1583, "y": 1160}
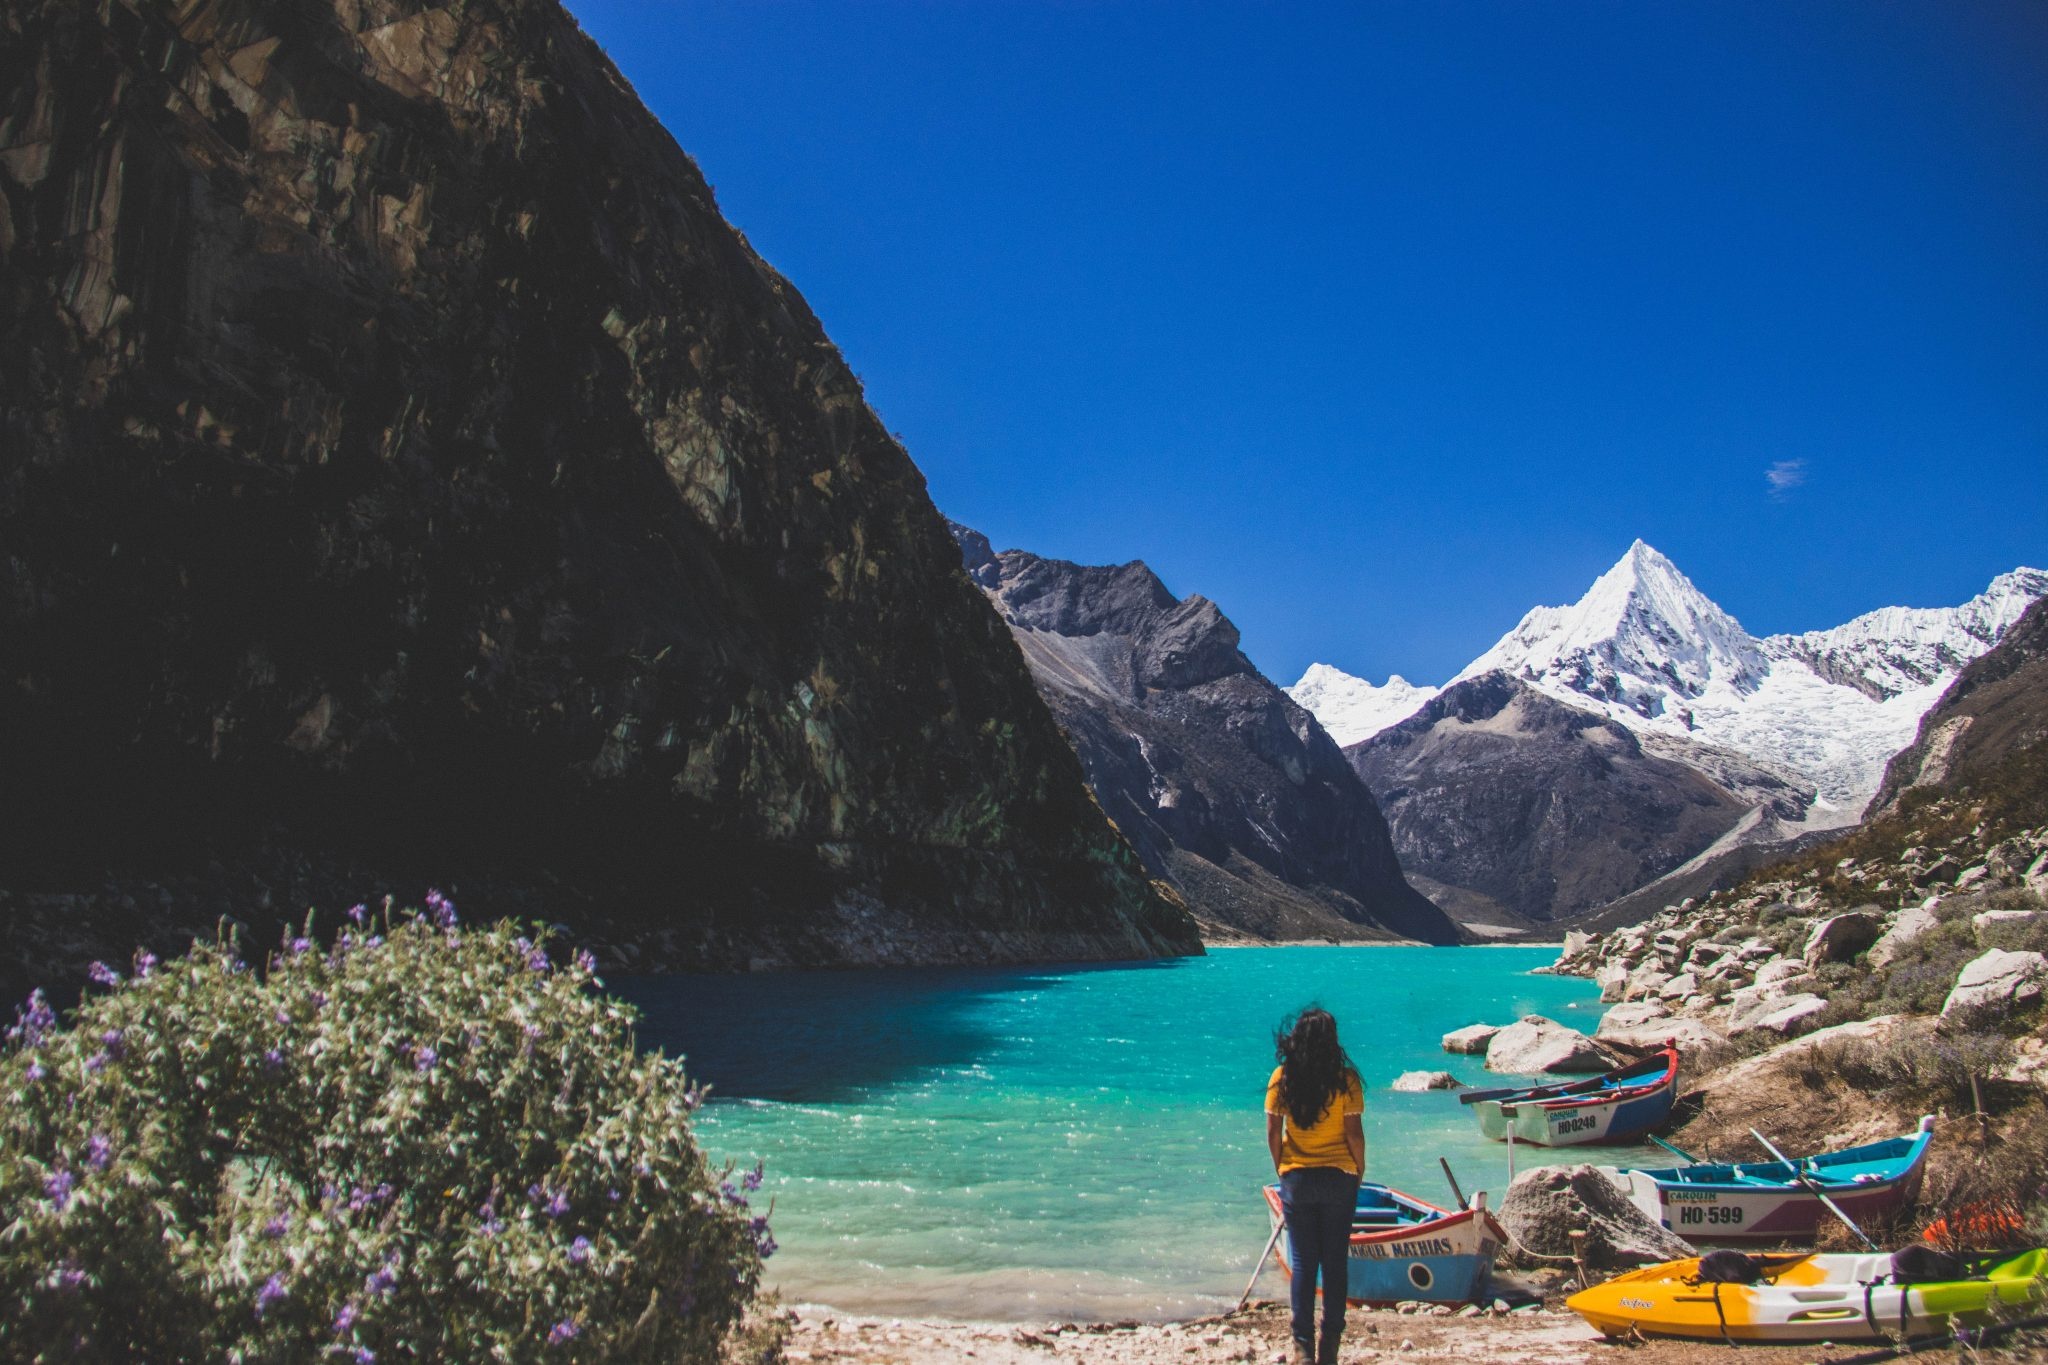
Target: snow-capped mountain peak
{"x": 1894, "y": 650}
{"x": 1643, "y": 640}
{"x": 1352, "y": 709}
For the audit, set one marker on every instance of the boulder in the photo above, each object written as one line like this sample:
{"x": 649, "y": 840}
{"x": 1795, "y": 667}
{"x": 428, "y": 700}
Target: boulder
{"x": 1632, "y": 1015}
{"x": 1910, "y": 924}
{"x": 1996, "y": 982}
{"x": 1645, "y": 981}
{"x": 1613, "y": 982}
{"x": 1839, "y": 938}
{"x": 1749, "y": 1007}
{"x": 1414, "y": 1081}
{"x": 1988, "y": 918}
{"x": 1971, "y": 876}
{"x": 1534, "y": 1045}
{"x": 1778, "y": 971}
{"x": 2037, "y": 876}
{"x": 1471, "y": 1039}
{"x": 1546, "y": 1204}
{"x": 1691, "y": 1035}
{"x": 1682, "y": 987}
{"x": 1794, "y": 1014}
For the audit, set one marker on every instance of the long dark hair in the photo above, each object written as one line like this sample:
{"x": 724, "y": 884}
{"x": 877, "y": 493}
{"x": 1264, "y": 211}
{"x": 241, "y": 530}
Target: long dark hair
{"x": 1314, "y": 1068}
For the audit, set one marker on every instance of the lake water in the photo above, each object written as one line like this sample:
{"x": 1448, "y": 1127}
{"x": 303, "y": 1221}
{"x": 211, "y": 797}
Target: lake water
{"x": 1068, "y": 1142}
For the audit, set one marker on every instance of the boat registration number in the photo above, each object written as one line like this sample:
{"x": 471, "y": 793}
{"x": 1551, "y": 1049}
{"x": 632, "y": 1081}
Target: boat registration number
{"x": 1402, "y": 1251}
{"x": 1574, "y": 1123}
{"x": 1710, "y": 1213}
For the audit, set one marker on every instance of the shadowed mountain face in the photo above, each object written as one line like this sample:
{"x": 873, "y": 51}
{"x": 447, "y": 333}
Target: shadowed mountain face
{"x": 1991, "y": 725}
{"x": 1227, "y": 788}
{"x": 1509, "y": 806}
{"x": 406, "y": 474}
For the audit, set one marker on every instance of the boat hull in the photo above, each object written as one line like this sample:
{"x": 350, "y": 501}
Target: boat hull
{"x": 1762, "y": 1202}
{"x": 1447, "y": 1259}
{"x": 1578, "y": 1122}
{"x": 1822, "y": 1298}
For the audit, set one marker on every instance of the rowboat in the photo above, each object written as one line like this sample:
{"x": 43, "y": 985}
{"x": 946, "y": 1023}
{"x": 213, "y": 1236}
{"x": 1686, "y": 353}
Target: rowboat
{"x": 1403, "y": 1247}
{"x": 1774, "y": 1201}
{"x": 1815, "y": 1298}
{"x": 1617, "y": 1107}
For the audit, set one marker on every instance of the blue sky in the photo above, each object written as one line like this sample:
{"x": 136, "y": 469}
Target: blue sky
{"x": 1380, "y": 323}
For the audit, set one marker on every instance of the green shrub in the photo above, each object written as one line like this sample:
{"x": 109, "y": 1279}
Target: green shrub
{"x": 426, "y": 1143}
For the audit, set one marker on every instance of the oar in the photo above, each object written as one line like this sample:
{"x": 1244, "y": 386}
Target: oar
{"x": 1456, "y": 1193}
{"x": 1260, "y": 1264}
{"x": 1676, "y": 1151}
{"x": 1814, "y": 1189}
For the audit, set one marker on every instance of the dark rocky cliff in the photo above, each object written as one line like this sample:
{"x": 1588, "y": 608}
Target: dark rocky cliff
{"x": 1989, "y": 728}
{"x": 1228, "y": 789}
{"x": 1509, "y": 807}
{"x": 406, "y": 473}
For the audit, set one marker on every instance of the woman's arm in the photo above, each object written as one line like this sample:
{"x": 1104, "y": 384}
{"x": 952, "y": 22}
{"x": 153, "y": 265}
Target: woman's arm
{"x": 1354, "y": 1138}
{"x": 1274, "y": 1133}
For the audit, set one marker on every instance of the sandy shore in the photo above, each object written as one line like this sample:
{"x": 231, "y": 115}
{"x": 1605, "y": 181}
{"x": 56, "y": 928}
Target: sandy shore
{"x": 1259, "y": 1334}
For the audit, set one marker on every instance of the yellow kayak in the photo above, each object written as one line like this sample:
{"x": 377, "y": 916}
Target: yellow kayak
{"x": 1808, "y": 1298}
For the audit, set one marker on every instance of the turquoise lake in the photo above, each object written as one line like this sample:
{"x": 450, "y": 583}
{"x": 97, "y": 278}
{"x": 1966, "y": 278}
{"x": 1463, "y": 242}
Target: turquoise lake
{"x": 1069, "y": 1142}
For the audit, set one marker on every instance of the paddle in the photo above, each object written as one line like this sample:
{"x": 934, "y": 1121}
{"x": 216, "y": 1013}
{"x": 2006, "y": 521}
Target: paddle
{"x": 1456, "y": 1193}
{"x": 1676, "y": 1151}
{"x": 1259, "y": 1264}
{"x": 1815, "y": 1190}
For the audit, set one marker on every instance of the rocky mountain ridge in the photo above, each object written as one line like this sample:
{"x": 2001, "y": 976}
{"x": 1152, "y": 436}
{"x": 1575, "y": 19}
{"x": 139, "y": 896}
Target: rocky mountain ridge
{"x": 407, "y": 476}
{"x": 1229, "y": 790}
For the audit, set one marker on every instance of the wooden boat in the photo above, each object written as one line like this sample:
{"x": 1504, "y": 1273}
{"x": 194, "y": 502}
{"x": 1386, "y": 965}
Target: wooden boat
{"x": 1403, "y": 1247}
{"x": 1770, "y": 1201}
{"x": 1815, "y": 1298}
{"x": 1619, "y": 1106}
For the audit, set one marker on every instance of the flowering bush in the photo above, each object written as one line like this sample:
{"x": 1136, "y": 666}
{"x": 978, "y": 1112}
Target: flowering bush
{"x": 427, "y": 1142}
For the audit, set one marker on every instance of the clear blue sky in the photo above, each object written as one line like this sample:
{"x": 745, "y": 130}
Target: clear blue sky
{"x": 1379, "y": 323}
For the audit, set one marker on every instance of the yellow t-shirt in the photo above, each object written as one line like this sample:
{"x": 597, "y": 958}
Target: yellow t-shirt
{"x": 1322, "y": 1142}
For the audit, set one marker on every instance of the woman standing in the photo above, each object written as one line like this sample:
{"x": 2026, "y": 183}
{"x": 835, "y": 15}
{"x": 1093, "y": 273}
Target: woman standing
{"x": 1315, "y": 1107}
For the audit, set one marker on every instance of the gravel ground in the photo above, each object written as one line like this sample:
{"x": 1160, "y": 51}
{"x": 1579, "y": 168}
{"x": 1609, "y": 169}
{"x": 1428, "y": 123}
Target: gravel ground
{"x": 1259, "y": 1334}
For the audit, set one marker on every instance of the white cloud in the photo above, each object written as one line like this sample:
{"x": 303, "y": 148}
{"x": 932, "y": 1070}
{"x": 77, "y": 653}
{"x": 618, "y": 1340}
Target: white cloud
{"x": 1784, "y": 476}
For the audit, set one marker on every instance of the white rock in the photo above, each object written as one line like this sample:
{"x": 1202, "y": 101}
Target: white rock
{"x": 1415, "y": 1081}
{"x": 1632, "y": 1015}
{"x": 1473, "y": 1038}
{"x": 1839, "y": 938}
{"x": 1682, "y": 987}
{"x": 1646, "y": 980}
{"x": 1996, "y": 981}
{"x": 1691, "y": 1035}
{"x": 1795, "y": 1014}
{"x": 1988, "y": 918}
{"x": 1534, "y": 1045}
{"x": 1910, "y": 924}
{"x": 1613, "y": 982}
{"x": 1971, "y": 875}
{"x": 1779, "y": 969}
{"x": 2037, "y": 876}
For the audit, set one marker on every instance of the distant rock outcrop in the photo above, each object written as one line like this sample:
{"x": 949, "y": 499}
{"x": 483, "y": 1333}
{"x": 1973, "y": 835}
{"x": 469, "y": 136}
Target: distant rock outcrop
{"x": 405, "y": 472}
{"x": 1228, "y": 789}
{"x": 1515, "y": 807}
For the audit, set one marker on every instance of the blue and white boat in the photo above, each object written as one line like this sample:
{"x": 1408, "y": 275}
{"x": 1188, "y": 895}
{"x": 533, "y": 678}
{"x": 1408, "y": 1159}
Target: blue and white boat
{"x": 1403, "y": 1247}
{"x": 1774, "y": 1201}
{"x": 1619, "y": 1106}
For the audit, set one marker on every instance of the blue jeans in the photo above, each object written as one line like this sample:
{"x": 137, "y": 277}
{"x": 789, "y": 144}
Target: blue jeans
{"x": 1317, "y": 1202}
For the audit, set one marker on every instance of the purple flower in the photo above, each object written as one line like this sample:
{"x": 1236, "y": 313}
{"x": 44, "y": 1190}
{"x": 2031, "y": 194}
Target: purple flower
{"x": 586, "y": 961}
{"x": 32, "y": 1020}
{"x": 36, "y": 1071}
{"x": 116, "y": 1046}
{"x": 278, "y": 1226}
{"x": 364, "y": 1356}
{"x": 424, "y": 1058}
{"x": 537, "y": 960}
{"x": 70, "y": 1278}
{"x": 273, "y": 1060}
{"x": 96, "y": 1063}
{"x": 752, "y": 1179}
{"x": 612, "y": 1195}
{"x": 99, "y": 1151}
{"x": 359, "y": 912}
{"x": 558, "y": 1205}
{"x": 272, "y": 1293}
{"x": 301, "y": 945}
{"x": 492, "y": 1225}
{"x": 374, "y": 941}
{"x": 345, "y": 1319}
{"x": 565, "y": 1330}
{"x": 145, "y": 962}
{"x": 57, "y": 1185}
{"x": 381, "y": 1280}
{"x": 579, "y": 1251}
{"x": 282, "y": 1017}
{"x": 442, "y": 909}
{"x": 100, "y": 974}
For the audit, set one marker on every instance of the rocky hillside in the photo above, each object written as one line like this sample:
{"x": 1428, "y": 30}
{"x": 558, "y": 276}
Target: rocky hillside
{"x": 1511, "y": 808}
{"x": 407, "y": 474}
{"x": 1938, "y": 905}
{"x": 1229, "y": 791}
